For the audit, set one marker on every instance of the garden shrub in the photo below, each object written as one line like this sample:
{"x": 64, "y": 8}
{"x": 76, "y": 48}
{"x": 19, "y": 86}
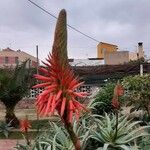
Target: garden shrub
{"x": 105, "y": 96}
{"x": 138, "y": 93}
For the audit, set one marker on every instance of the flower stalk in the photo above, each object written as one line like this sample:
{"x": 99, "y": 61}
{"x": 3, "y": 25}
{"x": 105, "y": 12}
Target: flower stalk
{"x": 118, "y": 91}
{"x": 59, "y": 83}
{"x": 24, "y": 127}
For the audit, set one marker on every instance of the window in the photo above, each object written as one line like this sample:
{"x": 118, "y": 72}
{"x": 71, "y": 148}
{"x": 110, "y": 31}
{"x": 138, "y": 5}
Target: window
{"x": 16, "y": 60}
{"x": 104, "y": 50}
{"x": 1, "y": 60}
{"x": 6, "y": 60}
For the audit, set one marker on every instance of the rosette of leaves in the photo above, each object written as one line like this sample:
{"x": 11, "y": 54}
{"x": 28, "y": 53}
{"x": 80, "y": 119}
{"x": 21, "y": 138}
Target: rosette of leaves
{"x": 145, "y": 143}
{"x": 122, "y": 138}
{"x": 56, "y": 137}
{"x": 5, "y": 128}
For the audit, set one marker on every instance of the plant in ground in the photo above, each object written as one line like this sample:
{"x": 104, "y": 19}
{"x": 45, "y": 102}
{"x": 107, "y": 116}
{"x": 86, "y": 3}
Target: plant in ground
{"x": 105, "y": 96}
{"x": 57, "y": 137}
{"x": 116, "y": 131}
{"x": 59, "y": 83}
{"x": 138, "y": 93}
{"x": 144, "y": 143}
{"x": 5, "y": 128}
{"x": 24, "y": 127}
{"x": 14, "y": 85}
{"x": 127, "y": 132}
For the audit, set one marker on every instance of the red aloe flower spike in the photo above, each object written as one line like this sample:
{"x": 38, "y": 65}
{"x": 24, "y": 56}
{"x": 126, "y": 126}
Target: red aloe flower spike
{"x": 58, "y": 94}
{"x": 63, "y": 107}
{"x": 53, "y": 105}
{"x": 70, "y": 116}
{"x": 24, "y": 125}
{"x": 77, "y": 85}
{"x": 43, "y": 100}
{"x": 51, "y": 87}
{"x": 79, "y": 106}
{"x": 41, "y": 85}
{"x": 43, "y": 78}
{"x": 53, "y": 75}
{"x": 45, "y": 92}
{"x": 42, "y": 112}
{"x": 119, "y": 91}
{"x": 73, "y": 82}
{"x": 48, "y": 107}
{"x": 43, "y": 70}
{"x": 39, "y": 109}
{"x": 46, "y": 64}
{"x": 77, "y": 114}
{"x": 115, "y": 103}
{"x": 81, "y": 94}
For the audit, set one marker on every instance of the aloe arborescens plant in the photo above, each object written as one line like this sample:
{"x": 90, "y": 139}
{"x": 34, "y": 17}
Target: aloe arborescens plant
{"x": 127, "y": 132}
{"x": 59, "y": 83}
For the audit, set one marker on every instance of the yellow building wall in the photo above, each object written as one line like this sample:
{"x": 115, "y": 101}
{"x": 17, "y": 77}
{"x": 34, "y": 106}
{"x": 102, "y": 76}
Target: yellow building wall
{"x": 102, "y": 47}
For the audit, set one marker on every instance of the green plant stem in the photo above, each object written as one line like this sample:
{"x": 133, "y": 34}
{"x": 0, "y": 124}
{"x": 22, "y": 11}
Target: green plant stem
{"x": 116, "y": 126}
{"x": 27, "y": 137}
{"x": 73, "y": 136}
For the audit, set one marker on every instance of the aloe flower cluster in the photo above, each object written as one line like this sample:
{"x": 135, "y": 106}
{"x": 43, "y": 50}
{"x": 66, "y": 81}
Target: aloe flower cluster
{"x": 58, "y": 80}
{"x": 118, "y": 91}
{"x": 25, "y": 125}
{"x": 59, "y": 93}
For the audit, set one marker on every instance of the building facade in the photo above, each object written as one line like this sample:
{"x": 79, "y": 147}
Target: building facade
{"x": 86, "y": 62}
{"x": 10, "y": 58}
{"x": 105, "y": 47}
{"x": 116, "y": 58}
{"x": 121, "y": 57}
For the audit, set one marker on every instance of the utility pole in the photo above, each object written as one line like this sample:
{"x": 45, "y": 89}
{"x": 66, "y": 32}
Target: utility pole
{"x": 141, "y": 69}
{"x": 37, "y": 71}
{"x": 37, "y": 57}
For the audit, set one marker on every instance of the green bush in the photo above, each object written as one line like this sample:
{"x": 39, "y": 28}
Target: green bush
{"x": 104, "y": 97}
{"x": 138, "y": 93}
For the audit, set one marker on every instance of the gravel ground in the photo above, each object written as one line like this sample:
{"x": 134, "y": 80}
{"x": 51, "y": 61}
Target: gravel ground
{"x": 8, "y": 144}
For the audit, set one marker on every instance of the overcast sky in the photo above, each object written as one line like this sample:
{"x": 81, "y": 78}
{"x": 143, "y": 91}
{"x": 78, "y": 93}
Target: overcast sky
{"x": 121, "y": 22}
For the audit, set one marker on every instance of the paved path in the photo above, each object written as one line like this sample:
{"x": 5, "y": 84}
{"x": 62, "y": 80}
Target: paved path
{"x": 8, "y": 144}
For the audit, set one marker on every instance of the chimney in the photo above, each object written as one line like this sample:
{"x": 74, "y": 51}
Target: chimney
{"x": 140, "y": 50}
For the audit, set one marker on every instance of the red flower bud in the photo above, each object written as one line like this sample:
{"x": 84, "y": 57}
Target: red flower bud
{"x": 115, "y": 103}
{"x": 119, "y": 91}
{"x": 24, "y": 125}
